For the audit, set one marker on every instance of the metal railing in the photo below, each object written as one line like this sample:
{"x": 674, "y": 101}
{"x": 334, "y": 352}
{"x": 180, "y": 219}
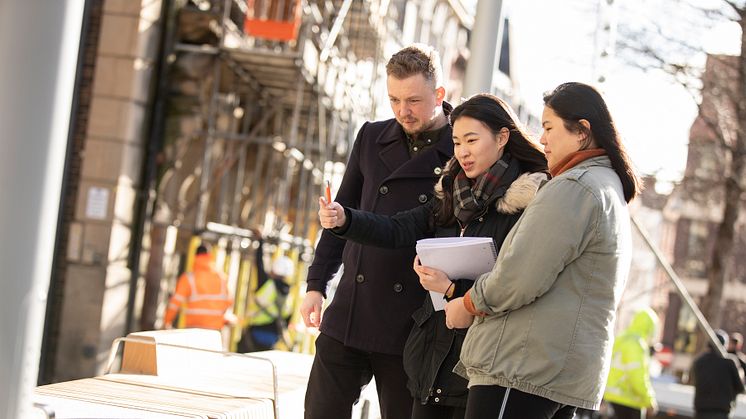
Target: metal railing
{"x": 46, "y": 409}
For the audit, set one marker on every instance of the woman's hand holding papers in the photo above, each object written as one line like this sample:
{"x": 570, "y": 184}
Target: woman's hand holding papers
{"x": 331, "y": 215}
{"x": 431, "y": 279}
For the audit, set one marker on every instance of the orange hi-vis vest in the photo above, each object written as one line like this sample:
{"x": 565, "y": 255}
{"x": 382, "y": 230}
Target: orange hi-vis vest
{"x": 205, "y": 294}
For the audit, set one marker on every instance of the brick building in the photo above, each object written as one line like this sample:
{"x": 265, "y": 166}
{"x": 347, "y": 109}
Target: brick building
{"x": 695, "y": 208}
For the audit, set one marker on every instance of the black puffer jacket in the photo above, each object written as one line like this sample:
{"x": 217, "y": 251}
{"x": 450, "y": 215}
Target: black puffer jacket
{"x": 432, "y": 350}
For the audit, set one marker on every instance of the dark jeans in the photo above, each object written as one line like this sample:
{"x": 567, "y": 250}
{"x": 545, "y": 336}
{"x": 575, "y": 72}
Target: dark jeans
{"x": 337, "y": 374}
{"x": 625, "y": 412}
{"x": 429, "y": 411}
{"x": 711, "y": 414}
{"x": 495, "y": 402}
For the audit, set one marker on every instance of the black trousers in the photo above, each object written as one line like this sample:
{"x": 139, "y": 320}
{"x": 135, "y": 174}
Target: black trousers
{"x": 495, "y": 402}
{"x": 429, "y": 411}
{"x": 711, "y": 414}
{"x": 339, "y": 372}
{"x": 626, "y": 412}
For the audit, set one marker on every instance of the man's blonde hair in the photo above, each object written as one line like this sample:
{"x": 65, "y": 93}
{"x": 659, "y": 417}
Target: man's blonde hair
{"x": 416, "y": 59}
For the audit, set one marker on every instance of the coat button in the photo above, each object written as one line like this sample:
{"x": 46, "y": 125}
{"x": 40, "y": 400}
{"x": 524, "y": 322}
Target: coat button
{"x": 422, "y": 198}
{"x": 398, "y": 287}
{"x": 437, "y": 400}
{"x": 360, "y": 279}
{"x": 383, "y": 190}
{"x": 438, "y": 171}
{"x": 438, "y": 391}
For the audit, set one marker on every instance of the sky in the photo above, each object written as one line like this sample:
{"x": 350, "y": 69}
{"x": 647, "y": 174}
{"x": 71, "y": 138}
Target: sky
{"x": 553, "y": 42}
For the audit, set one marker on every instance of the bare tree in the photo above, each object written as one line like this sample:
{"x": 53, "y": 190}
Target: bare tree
{"x": 671, "y": 43}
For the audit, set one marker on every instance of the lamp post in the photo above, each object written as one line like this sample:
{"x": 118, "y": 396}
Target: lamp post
{"x": 484, "y": 47}
{"x": 37, "y": 81}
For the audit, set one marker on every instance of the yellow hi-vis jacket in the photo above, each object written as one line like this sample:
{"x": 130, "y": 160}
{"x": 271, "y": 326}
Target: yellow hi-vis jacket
{"x": 205, "y": 294}
{"x": 269, "y": 304}
{"x": 629, "y": 378}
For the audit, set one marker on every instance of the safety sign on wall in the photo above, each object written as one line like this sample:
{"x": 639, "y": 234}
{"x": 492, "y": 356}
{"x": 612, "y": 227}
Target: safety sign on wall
{"x": 97, "y": 203}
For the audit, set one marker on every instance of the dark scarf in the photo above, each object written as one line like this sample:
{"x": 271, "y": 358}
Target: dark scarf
{"x": 471, "y": 199}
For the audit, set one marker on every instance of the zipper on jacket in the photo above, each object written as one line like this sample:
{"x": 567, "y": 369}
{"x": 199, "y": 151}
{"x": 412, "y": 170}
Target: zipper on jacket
{"x": 462, "y": 227}
{"x": 440, "y": 365}
{"x": 429, "y": 395}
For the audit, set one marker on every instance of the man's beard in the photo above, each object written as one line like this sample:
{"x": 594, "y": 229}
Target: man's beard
{"x": 419, "y": 129}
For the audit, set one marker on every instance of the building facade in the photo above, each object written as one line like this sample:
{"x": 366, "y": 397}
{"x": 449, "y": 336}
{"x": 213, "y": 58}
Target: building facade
{"x": 209, "y": 118}
{"x": 695, "y": 209}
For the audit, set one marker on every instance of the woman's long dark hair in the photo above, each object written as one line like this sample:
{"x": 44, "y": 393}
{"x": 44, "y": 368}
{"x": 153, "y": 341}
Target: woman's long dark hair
{"x": 495, "y": 114}
{"x": 575, "y": 101}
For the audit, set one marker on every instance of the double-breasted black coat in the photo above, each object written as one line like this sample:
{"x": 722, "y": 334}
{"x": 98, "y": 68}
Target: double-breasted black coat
{"x": 378, "y": 292}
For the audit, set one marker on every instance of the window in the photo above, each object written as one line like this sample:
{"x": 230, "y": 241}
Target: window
{"x": 697, "y": 248}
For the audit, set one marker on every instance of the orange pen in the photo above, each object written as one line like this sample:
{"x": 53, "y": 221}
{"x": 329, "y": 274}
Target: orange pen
{"x": 328, "y": 193}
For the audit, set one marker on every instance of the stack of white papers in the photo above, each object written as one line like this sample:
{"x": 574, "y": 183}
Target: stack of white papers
{"x": 458, "y": 257}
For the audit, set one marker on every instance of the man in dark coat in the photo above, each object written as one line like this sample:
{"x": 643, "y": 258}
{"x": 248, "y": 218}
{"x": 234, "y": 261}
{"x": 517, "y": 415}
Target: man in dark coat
{"x": 717, "y": 382}
{"x": 392, "y": 167}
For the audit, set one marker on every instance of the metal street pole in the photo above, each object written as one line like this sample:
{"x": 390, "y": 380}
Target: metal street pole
{"x": 484, "y": 47}
{"x": 37, "y": 80}
{"x": 680, "y": 288}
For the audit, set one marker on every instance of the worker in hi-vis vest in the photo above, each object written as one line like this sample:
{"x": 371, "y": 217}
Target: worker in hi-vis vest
{"x": 629, "y": 390}
{"x": 268, "y": 311}
{"x": 204, "y": 295}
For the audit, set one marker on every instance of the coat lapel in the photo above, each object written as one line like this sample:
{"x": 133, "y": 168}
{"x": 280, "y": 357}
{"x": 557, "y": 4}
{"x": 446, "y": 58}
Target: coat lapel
{"x": 393, "y": 152}
{"x": 423, "y": 164}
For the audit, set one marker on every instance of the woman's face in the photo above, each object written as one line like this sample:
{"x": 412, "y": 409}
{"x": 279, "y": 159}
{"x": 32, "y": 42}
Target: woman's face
{"x": 476, "y": 148}
{"x": 558, "y": 142}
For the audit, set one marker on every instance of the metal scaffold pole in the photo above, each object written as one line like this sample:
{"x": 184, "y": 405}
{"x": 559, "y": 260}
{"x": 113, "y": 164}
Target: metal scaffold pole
{"x": 680, "y": 289}
{"x": 37, "y": 81}
{"x": 212, "y": 116}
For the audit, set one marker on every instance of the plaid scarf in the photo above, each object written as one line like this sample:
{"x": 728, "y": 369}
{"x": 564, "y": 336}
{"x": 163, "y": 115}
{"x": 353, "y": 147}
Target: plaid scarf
{"x": 471, "y": 198}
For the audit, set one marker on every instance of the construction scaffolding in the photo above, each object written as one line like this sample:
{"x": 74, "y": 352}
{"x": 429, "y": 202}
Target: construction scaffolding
{"x": 207, "y": 120}
{"x": 262, "y": 103}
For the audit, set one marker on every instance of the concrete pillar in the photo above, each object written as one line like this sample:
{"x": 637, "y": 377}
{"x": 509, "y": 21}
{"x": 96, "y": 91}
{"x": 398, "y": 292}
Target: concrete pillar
{"x": 39, "y": 50}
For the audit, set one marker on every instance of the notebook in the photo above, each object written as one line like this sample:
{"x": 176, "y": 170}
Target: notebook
{"x": 458, "y": 257}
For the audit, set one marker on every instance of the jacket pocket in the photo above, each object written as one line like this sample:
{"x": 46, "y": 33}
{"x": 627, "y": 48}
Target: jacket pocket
{"x": 418, "y": 349}
{"x": 482, "y": 343}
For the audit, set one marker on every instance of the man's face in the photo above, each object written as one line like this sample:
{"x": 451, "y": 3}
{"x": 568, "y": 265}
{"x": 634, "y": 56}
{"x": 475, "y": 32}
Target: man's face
{"x": 414, "y": 101}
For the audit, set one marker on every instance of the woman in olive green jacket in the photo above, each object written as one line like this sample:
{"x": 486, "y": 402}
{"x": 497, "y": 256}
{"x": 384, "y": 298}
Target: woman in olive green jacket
{"x": 540, "y": 342}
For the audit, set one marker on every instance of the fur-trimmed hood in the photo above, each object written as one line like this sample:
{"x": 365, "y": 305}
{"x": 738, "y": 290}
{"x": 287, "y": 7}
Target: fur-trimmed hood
{"x": 520, "y": 193}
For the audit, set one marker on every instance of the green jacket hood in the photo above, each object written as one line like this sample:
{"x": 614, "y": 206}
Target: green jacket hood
{"x": 643, "y": 324}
